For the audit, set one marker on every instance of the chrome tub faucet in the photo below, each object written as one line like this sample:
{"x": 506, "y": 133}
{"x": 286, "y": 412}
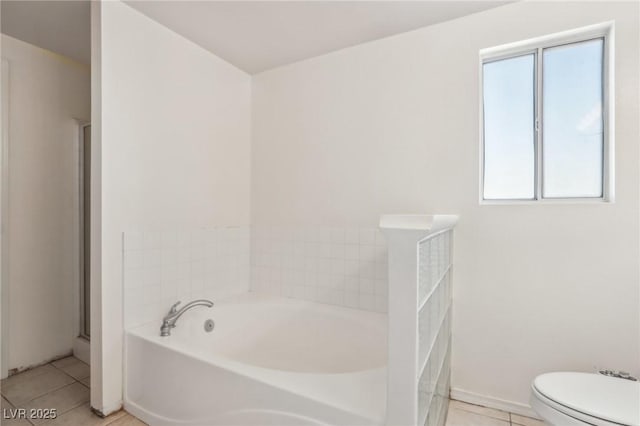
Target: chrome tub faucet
{"x": 169, "y": 320}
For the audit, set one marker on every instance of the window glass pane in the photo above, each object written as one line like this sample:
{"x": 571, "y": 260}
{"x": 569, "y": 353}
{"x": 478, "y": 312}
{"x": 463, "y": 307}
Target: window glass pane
{"x": 572, "y": 120}
{"x": 508, "y": 92}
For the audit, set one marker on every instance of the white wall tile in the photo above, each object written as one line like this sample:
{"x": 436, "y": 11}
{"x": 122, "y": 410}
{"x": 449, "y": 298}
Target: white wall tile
{"x": 329, "y": 265}
{"x": 367, "y": 253}
{"x": 367, "y": 302}
{"x": 133, "y": 241}
{"x": 134, "y": 259}
{"x": 351, "y": 284}
{"x": 352, "y": 251}
{"x": 352, "y": 236}
{"x": 339, "y": 266}
{"x": 163, "y": 267}
{"x": 352, "y": 299}
{"x": 366, "y": 285}
{"x": 337, "y": 235}
{"x": 367, "y": 236}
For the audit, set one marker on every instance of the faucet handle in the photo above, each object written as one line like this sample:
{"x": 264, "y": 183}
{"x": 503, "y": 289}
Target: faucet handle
{"x": 173, "y": 309}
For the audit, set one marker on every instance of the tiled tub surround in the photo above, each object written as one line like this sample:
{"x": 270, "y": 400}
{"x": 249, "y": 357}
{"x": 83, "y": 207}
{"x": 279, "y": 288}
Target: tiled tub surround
{"x": 162, "y": 267}
{"x": 333, "y": 265}
{"x": 338, "y": 266}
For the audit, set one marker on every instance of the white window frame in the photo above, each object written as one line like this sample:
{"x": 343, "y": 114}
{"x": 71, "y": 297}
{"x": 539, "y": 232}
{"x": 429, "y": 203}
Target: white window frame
{"x": 604, "y": 31}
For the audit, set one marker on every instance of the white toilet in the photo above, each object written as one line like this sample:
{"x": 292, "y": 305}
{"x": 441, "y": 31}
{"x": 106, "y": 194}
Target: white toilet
{"x": 566, "y": 399}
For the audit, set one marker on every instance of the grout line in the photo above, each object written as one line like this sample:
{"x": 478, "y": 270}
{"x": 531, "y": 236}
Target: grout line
{"x": 49, "y": 392}
{"x": 124, "y": 414}
{"x": 117, "y": 418}
{"x": 39, "y": 396}
{"x": 489, "y": 417}
{"x": 59, "y": 413}
{"x": 509, "y": 421}
{"x": 30, "y": 422}
{"x": 77, "y": 380}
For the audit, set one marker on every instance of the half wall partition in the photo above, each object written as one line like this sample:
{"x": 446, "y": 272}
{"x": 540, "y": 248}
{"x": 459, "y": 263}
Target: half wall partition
{"x": 420, "y": 295}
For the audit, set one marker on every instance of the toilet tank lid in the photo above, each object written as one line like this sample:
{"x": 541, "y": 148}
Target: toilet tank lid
{"x": 608, "y": 398}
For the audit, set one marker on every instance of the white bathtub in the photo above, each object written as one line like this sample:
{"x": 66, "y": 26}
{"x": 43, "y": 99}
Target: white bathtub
{"x": 269, "y": 361}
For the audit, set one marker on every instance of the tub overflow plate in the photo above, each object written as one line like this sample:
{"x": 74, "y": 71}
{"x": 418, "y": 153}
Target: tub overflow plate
{"x": 209, "y": 325}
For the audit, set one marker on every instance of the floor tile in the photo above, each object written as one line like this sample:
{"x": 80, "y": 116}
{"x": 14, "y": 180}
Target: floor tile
{"x": 15, "y": 422}
{"x": 73, "y": 367}
{"x": 6, "y": 412}
{"x": 63, "y": 362}
{"x": 24, "y": 391}
{"x": 63, "y": 399}
{"x": 26, "y": 375}
{"x": 78, "y": 371}
{"x": 5, "y": 404}
{"x": 83, "y": 415}
{"x": 525, "y": 421}
{"x": 127, "y": 420}
{"x": 459, "y": 417}
{"x": 477, "y": 409}
{"x": 86, "y": 381}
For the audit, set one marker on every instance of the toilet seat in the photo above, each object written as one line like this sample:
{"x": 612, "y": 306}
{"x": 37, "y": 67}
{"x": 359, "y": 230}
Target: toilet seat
{"x": 559, "y": 415}
{"x": 566, "y": 398}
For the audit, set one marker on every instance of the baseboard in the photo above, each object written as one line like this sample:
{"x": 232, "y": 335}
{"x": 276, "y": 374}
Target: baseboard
{"x": 18, "y": 370}
{"x": 82, "y": 350}
{"x": 492, "y": 402}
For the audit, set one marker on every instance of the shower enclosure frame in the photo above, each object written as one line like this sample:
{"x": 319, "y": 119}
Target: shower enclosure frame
{"x": 4, "y": 208}
{"x": 84, "y": 229}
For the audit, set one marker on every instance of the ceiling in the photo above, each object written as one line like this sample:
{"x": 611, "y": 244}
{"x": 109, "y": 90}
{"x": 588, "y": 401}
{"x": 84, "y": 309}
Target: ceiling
{"x": 63, "y": 27}
{"x": 259, "y": 35}
{"x": 252, "y": 35}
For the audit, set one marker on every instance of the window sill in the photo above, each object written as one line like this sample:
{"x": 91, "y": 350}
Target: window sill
{"x": 547, "y": 201}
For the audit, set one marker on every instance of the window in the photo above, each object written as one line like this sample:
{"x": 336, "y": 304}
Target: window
{"x": 545, "y": 122}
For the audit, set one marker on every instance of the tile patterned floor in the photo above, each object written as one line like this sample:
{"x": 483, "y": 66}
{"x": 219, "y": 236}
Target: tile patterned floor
{"x": 63, "y": 385}
{"x": 463, "y": 414}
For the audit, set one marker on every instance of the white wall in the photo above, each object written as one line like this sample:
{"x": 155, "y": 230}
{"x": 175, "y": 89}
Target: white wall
{"x": 391, "y": 126}
{"x": 175, "y": 141}
{"x": 47, "y": 93}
